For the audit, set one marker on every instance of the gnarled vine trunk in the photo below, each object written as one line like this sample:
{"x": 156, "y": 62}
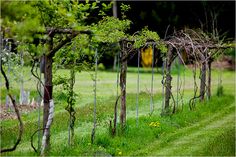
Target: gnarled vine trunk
{"x": 123, "y": 71}
{"x": 168, "y": 79}
{"x": 51, "y": 32}
{"x": 47, "y": 91}
{"x": 203, "y": 81}
{"x": 209, "y": 80}
{"x": 21, "y": 127}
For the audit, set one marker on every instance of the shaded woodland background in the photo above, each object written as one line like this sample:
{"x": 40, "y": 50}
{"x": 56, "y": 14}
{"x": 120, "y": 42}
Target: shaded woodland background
{"x": 164, "y": 17}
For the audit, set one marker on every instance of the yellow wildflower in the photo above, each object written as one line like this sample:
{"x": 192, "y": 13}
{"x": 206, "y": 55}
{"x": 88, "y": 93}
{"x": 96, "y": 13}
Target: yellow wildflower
{"x": 151, "y": 124}
{"x": 154, "y": 124}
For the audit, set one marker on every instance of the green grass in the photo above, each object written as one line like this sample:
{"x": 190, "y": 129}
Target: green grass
{"x": 222, "y": 145}
{"x": 195, "y": 130}
{"x": 217, "y": 115}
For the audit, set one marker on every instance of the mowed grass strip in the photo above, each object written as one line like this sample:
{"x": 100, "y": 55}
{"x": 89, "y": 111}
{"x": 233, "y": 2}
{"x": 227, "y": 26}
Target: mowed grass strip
{"x": 196, "y": 139}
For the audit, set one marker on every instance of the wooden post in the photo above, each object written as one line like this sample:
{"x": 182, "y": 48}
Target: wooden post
{"x": 114, "y": 10}
{"x": 168, "y": 79}
{"x": 123, "y": 71}
{"x": 47, "y": 89}
{"x": 209, "y": 79}
{"x": 178, "y": 78}
{"x": 203, "y": 81}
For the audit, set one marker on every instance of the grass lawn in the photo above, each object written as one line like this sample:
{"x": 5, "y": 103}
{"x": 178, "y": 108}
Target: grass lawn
{"x": 208, "y": 130}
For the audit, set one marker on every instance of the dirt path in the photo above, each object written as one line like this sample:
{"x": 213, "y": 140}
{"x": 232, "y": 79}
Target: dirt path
{"x": 9, "y": 113}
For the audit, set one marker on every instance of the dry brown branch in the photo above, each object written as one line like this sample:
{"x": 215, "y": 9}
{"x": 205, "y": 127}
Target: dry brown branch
{"x": 177, "y": 50}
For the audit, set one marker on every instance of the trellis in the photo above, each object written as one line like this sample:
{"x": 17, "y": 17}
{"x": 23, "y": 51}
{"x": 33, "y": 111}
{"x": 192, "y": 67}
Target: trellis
{"x": 127, "y": 51}
{"x": 202, "y": 49}
{"x": 46, "y": 68}
{"x": 197, "y": 46}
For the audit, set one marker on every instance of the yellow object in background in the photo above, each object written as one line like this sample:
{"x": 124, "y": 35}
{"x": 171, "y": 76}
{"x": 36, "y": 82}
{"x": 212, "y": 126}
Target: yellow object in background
{"x": 146, "y": 57}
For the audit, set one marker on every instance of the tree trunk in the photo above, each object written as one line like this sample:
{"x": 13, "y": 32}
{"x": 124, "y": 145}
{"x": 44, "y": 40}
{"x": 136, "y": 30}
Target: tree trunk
{"x": 123, "y": 72}
{"x": 47, "y": 91}
{"x": 114, "y": 62}
{"x": 168, "y": 79}
{"x": 114, "y": 10}
{"x": 203, "y": 81}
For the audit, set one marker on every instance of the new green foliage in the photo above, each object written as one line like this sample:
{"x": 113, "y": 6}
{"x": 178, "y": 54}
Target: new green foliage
{"x": 43, "y": 19}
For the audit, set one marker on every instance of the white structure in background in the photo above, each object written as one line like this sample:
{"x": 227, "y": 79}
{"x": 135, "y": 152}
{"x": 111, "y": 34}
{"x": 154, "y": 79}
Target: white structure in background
{"x": 9, "y": 105}
{"x": 24, "y": 97}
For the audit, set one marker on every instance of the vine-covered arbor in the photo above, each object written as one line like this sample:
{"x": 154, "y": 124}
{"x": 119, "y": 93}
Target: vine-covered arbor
{"x": 201, "y": 49}
{"x": 59, "y": 39}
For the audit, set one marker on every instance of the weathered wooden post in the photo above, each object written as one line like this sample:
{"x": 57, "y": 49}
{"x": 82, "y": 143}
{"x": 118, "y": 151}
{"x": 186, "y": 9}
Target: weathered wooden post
{"x": 47, "y": 89}
{"x": 126, "y": 49}
{"x": 123, "y": 71}
{"x": 203, "y": 76}
{"x": 168, "y": 79}
{"x": 209, "y": 78}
